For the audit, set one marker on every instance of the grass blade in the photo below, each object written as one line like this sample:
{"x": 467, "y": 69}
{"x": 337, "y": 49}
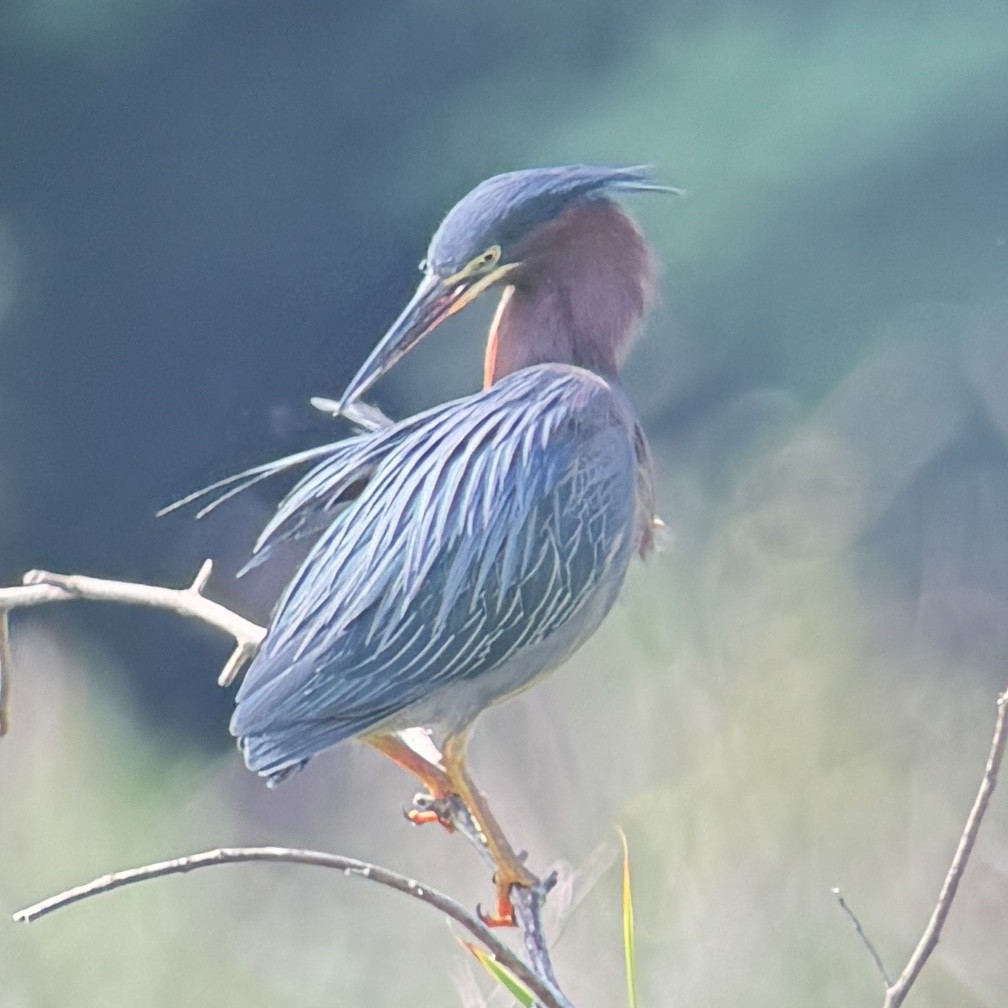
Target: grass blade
{"x": 629, "y": 953}
{"x": 505, "y": 978}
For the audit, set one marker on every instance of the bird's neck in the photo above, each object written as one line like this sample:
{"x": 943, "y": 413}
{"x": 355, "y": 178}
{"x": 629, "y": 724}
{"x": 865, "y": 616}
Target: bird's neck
{"x": 578, "y": 297}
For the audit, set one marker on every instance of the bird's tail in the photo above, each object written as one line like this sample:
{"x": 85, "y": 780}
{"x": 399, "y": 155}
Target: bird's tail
{"x": 277, "y": 753}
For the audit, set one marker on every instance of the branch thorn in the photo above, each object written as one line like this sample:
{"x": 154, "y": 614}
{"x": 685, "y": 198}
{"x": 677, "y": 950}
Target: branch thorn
{"x": 202, "y": 577}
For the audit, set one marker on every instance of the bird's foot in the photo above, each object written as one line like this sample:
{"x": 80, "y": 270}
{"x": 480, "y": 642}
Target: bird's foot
{"x": 430, "y": 809}
{"x": 505, "y": 877}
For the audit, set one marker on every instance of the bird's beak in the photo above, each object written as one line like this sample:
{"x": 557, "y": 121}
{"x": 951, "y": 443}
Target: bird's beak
{"x": 434, "y": 301}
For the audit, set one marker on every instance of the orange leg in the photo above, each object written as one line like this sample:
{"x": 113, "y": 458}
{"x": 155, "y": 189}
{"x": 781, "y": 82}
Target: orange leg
{"x": 454, "y": 779}
{"x": 510, "y": 869}
{"x": 430, "y": 774}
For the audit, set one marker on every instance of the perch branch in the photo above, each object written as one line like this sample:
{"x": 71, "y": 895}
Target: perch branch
{"x": 527, "y": 903}
{"x": 349, "y": 866}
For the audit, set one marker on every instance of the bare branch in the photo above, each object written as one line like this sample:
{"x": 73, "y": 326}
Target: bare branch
{"x": 42, "y": 586}
{"x": 349, "y": 866}
{"x": 897, "y": 992}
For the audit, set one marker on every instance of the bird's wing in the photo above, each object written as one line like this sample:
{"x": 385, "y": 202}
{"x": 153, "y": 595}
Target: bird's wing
{"x": 483, "y": 527}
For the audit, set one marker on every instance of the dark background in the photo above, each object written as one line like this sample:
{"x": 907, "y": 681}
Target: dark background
{"x": 210, "y": 211}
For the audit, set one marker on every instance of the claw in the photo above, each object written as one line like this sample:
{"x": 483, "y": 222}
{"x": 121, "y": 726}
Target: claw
{"x": 428, "y": 809}
{"x": 419, "y": 818}
{"x": 502, "y": 917}
{"x": 517, "y": 875}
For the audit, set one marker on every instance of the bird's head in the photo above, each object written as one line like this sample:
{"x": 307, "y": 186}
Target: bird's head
{"x": 505, "y": 232}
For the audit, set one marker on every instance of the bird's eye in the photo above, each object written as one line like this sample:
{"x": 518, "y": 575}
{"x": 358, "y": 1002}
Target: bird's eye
{"x": 485, "y": 260}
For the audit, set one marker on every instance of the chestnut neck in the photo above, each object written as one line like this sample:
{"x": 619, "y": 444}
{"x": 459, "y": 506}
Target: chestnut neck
{"x": 585, "y": 281}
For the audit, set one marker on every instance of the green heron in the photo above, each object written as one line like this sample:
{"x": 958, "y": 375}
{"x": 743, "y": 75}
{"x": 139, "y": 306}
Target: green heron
{"x": 463, "y": 552}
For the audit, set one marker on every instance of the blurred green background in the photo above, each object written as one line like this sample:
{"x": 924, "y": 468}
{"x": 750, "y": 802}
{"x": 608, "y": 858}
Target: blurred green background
{"x": 210, "y": 210}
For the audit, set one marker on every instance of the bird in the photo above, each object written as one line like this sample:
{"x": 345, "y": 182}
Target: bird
{"x": 460, "y": 554}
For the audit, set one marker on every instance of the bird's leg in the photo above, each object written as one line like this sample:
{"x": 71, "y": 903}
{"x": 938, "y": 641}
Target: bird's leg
{"x": 453, "y": 779}
{"x": 510, "y": 869}
{"x": 432, "y": 776}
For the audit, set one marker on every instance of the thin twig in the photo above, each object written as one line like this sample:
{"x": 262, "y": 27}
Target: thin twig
{"x": 865, "y": 940}
{"x": 898, "y": 991}
{"x": 349, "y": 866}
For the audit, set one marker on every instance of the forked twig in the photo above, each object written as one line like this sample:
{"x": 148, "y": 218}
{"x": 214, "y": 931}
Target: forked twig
{"x": 40, "y": 587}
{"x": 897, "y": 990}
{"x": 896, "y": 993}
